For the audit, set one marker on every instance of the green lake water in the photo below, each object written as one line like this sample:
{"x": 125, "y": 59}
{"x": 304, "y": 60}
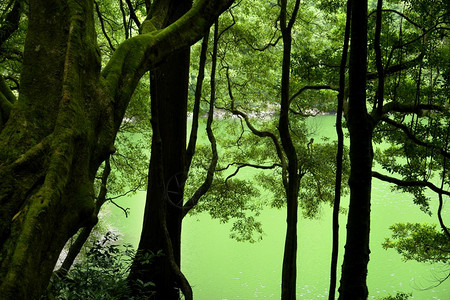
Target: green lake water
{"x": 218, "y": 267}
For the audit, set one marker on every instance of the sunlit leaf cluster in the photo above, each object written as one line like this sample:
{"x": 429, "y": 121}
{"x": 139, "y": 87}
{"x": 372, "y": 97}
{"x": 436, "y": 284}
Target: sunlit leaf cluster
{"x": 420, "y": 242}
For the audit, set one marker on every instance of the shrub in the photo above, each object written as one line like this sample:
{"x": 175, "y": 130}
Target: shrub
{"x": 102, "y": 274}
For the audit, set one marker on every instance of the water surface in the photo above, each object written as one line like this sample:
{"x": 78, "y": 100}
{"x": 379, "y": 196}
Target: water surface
{"x": 221, "y": 268}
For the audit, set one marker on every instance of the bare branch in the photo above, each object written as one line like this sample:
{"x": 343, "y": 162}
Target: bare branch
{"x": 400, "y": 14}
{"x": 272, "y": 42}
{"x": 255, "y": 131}
{"x": 125, "y": 210}
{"x": 212, "y": 165}
{"x": 378, "y": 60}
{"x": 229, "y": 26}
{"x": 243, "y": 165}
{"x": 294, "y": 15}
{"x": 399, "y": 67}
{"x": 133, "y": 190}
{"x": 196, "y": 110}
{"x": 102, "y": 25}
{"x": 133, "y": 14}
{"x": 418, "y": 109}
{"x": 441, "y": 201}
{"x": 124, "y": 19}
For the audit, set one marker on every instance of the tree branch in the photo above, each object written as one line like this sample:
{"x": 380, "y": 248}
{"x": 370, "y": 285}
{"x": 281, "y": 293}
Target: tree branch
{"x": 396, "y": 68}
{"x": 81, "y": 239}
{"x": 243, "y": 165}
{"x": 6, "y": 91}
{"x": 133, "y": 13}
{"x": 413, "y": 138}
{"x": 398, "y": 13}
{"x": 196, "y": 110}
{"x": 378, "y": 60}
{"x": 102, "y": 25}
{"x": 124, "y": 19}
{"x": 212, "y": 165}
{"x": 441, "y": 201}
{"x": 413, "y": 108}
{"x": 294, "y": 15}
{"x": 271, "y": 43}
{"x": 257, "y": 132}
{"x": 405, "y": 183}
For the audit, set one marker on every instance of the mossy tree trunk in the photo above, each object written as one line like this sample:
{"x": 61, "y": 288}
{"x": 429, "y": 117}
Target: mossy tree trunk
{"x": 62, "y": 128}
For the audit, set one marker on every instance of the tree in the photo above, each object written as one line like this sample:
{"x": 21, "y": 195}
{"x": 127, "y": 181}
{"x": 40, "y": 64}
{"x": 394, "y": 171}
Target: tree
{"x": 123, "y": 172}
{"x": 385, "y": 103}
{"x": 168, "y": 88}
{"x": 339, "y": 156}
{"x": 62, "y": 128}
{"x": 354, "y": 268}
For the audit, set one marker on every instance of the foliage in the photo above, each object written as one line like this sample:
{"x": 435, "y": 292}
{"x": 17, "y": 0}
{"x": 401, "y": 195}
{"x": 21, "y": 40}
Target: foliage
{"x": 130, "y": 160}
{"x": 420, "y": 242}
{"x": 11, "y": 51}
{"x": 398, "y": 296}
{"x": 249, "y": 53}
{"x": 414, "y": 141}
{"x": 227, "y": 200}
{"x": 102, "y": 274}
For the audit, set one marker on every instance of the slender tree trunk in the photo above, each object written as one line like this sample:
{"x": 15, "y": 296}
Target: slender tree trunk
{"x": 356, "y": 258}
{"x": 339, "y": 156}
{"x": 289, "y": 273}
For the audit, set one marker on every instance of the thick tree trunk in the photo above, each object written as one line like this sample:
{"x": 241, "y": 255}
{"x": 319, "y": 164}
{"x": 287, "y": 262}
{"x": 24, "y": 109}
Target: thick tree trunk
{"x": 47, "y": 158}
{"x": 169, "y": 90}
{"x": 356, "y": 258}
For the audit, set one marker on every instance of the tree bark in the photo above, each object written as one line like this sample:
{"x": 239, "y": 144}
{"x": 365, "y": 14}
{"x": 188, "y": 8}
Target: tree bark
{"x": 354, "y": 269}
{"x": 47, "y": 161}
{"x": 339, "y": 157}
{"x": 289, "y": 273}
{"x": 169, "y": 89}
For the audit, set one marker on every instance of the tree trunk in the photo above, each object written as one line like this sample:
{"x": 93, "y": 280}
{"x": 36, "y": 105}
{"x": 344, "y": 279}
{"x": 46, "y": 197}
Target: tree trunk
{"x": 356, "y": 258}
{"x": 339, "y": 157}
{"x": 289, "y": 273}
{"x": 169, "y": 89}
{"x": 49, "y": 155}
